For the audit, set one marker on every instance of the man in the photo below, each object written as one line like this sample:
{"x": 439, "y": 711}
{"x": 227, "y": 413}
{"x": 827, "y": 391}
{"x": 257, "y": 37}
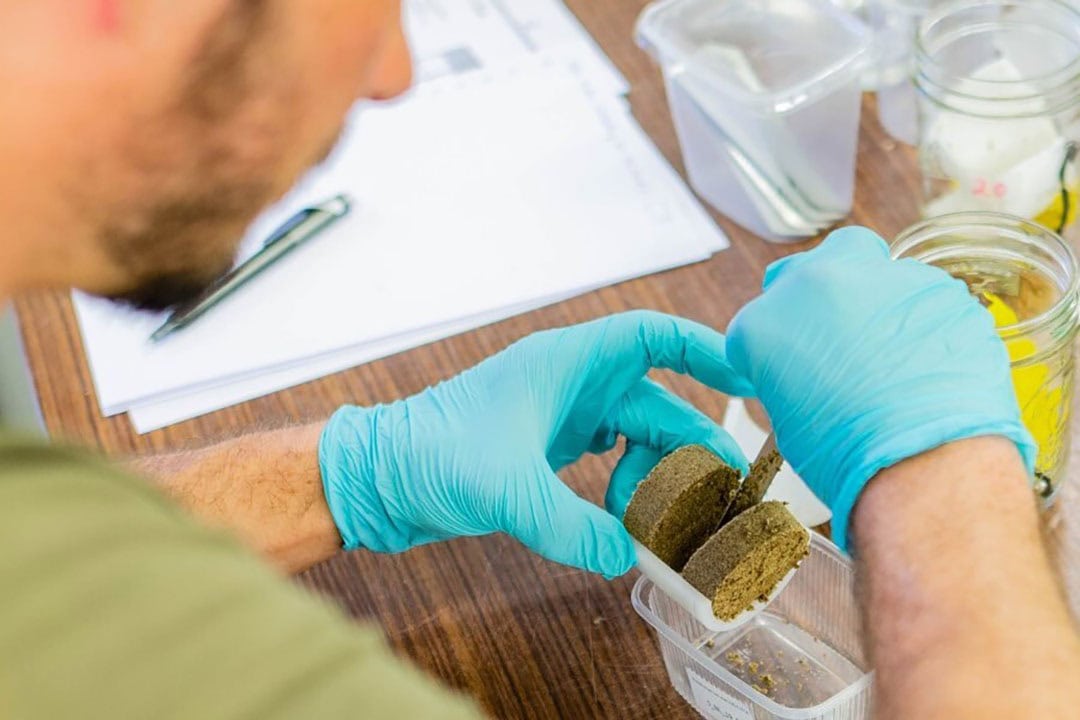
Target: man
{"x": 138, "y": 139}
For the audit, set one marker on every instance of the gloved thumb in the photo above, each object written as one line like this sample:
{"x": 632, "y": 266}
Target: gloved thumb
{"x": 553, "y": 521}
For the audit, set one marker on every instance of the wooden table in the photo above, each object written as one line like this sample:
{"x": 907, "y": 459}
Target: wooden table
{"x": 524, "y": 636}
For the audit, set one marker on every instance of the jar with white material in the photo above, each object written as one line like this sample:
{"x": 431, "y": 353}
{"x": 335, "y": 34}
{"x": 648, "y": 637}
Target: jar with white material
{"x": 999, "y": 109}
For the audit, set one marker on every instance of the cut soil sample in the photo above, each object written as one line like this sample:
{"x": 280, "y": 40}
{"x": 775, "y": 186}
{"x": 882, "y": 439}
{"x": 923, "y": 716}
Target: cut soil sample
{"x": 746, "y": 558}
{"x": 681, "y": 503}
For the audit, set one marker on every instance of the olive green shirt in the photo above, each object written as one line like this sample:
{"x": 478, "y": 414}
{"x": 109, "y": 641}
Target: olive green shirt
{"x": 114, "y": 605}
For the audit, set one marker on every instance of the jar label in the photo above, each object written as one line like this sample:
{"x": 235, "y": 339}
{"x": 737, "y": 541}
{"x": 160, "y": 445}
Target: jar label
{"x": 714, "y": 703}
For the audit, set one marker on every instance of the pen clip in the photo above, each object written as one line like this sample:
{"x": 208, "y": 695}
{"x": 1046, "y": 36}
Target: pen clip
{"x": 288, "y": 226}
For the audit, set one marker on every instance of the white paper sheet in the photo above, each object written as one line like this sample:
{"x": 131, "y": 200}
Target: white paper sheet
{"x": 152, "y": 416}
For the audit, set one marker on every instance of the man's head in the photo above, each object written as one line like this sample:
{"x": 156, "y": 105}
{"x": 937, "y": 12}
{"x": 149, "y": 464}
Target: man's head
{"x": 138, "y": 138}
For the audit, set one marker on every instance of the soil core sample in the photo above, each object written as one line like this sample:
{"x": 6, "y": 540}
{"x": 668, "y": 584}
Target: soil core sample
{"x": 746, "y": 558}
{"x": 681, "y": 503}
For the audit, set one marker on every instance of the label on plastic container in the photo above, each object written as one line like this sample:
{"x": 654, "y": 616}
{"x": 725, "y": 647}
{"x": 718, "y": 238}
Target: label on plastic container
{"x": 714, "y": 703}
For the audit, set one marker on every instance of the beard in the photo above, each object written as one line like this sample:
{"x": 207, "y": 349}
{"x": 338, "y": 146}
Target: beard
{"x": 175, "y": 248}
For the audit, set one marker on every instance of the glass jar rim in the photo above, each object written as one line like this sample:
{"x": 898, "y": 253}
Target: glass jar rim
{"x": 951, "y": 223}
{"x": 1062, "y": 85}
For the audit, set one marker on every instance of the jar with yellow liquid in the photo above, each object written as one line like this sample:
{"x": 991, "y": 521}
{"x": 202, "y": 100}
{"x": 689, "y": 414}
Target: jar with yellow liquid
{"x": 999, "y": 109}
{"x": 1026, "y": 276}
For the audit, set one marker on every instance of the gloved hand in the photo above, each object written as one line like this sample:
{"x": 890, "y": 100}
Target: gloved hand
{"x": 478, "y": 453}
{"x": 862, "y": 361}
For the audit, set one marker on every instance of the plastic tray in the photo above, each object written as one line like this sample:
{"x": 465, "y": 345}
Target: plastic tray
{"x": 799, "y": 659}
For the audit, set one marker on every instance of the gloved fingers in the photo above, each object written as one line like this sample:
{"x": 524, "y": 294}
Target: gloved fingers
{"x": 848, "y": 243}
{"x": 651, "y": 416}
{"x": 552, "y": 520}
{"x": 644, "y": 339}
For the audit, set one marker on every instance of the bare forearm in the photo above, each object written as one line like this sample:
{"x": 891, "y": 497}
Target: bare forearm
{"x": 264, "y": 487}
{"x": 964, "y": 616}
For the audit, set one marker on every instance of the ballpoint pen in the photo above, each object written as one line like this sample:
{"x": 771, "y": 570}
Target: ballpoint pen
{"x": 298, "y": 229}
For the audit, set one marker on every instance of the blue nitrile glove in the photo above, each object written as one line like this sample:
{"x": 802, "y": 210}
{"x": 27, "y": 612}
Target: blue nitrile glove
{"x": 478, "y": 453}
{"x": 862, "y": 361}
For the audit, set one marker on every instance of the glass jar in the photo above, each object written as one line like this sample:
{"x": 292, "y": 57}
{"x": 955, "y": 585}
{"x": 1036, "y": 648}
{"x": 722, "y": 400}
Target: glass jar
{"x": 999, "y": 108}
{"x": 1026, "y": 276}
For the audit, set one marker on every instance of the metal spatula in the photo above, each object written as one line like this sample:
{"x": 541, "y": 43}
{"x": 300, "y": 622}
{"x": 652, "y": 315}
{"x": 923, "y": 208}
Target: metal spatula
{"x": 675, "y": 585}
{"x": 757, "y": 481}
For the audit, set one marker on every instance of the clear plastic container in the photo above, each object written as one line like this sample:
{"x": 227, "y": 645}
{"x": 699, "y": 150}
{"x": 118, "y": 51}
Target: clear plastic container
{"x": 765, "y": 95}
{"x": 863, "y": 10}
{"x": 801, "y": 659}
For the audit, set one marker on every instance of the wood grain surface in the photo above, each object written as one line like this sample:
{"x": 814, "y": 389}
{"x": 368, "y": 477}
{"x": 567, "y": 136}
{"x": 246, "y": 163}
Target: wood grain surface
{"x": 524, "y": 636}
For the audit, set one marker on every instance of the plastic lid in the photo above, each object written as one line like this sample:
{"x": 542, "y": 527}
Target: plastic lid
{"x": 776, "y": 53}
